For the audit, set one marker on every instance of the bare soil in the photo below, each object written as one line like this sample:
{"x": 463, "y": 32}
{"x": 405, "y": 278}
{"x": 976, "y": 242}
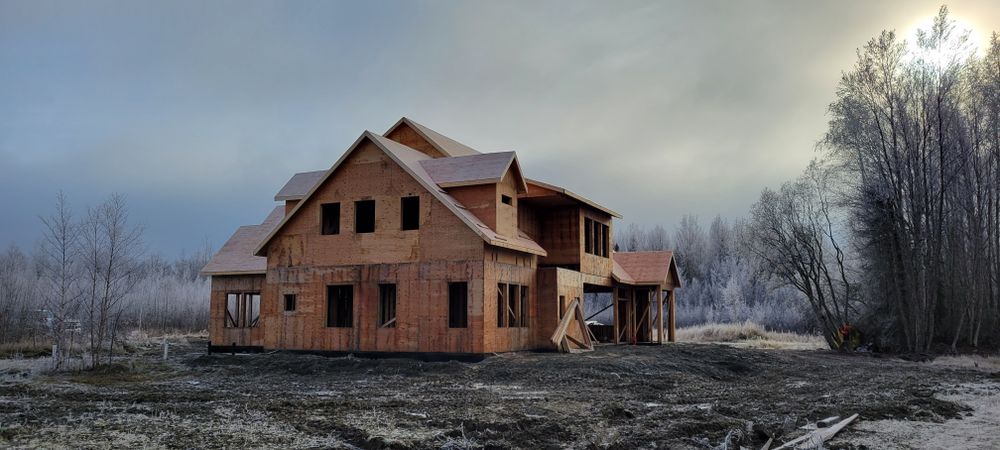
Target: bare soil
{"x": 671, "y": 396}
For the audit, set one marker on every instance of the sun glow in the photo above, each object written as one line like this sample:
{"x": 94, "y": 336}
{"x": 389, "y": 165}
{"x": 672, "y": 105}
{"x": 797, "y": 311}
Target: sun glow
{"x": 965, "y": 39}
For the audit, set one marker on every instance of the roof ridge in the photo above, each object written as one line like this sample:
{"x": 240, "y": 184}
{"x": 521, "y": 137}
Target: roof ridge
{"x": 442, "y": 143}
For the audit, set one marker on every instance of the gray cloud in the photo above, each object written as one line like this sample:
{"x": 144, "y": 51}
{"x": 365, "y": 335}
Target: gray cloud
{"x": 200, "y": 111}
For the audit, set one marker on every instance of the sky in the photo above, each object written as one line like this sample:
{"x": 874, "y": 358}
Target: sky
{"x": 198, "y": 112}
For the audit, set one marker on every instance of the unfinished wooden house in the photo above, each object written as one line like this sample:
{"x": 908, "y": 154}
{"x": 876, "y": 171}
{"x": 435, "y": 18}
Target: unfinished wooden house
{"x": 414, "y": 243}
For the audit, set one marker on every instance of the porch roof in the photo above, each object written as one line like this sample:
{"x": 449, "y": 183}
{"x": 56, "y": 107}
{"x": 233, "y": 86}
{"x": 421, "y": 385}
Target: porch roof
{"x": 645, "y": 268}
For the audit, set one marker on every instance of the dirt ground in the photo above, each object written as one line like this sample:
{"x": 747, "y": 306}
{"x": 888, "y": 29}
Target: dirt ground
{"x": 671, "y": 396}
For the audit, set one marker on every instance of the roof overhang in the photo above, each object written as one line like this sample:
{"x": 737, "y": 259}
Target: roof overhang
{"x": 574, "y": 196}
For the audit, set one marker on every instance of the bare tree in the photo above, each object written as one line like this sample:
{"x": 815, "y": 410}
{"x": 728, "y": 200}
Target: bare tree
{"x": 691, "y": 248}
{"x": 111, "y": 248}
{"x": 792, "y": 231}
{"x": 60, "y": 276}
{"x": 657, "y": 239}
{"x": 918, "y": 131}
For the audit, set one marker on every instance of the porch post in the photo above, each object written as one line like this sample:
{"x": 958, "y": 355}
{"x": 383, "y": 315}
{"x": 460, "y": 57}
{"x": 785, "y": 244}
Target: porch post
{"x": 614, "y": 308}
{"x": 631, "y": 316}
{"x": 673, "y": 321}
{"x": 659, "y": 314}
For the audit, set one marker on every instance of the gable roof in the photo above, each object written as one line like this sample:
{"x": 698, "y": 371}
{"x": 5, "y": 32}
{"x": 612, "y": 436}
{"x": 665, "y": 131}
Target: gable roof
{"x": 298, "y": 185}
{"x": 442, "y": 143}
{"x": 236, "y": 257}
{"x": 410, "y": 160}
{"x": 645, "y": 268}
{"x": 484, "y": 168}
{"x": 574, "y": 196}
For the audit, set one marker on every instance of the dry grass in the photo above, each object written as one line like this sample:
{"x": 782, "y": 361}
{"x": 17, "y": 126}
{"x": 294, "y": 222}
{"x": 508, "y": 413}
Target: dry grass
{"x": 25, "y": 349}
{"x": 750, "y": 335}
{"x": 986, "y": 363}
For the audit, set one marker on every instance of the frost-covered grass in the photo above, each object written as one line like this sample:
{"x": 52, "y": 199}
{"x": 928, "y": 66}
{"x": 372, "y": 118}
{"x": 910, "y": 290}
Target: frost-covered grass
{"x": 748, "y": 334}
{"x": 987, "y": 363}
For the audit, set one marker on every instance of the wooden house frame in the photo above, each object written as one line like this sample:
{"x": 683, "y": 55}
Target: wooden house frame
{"x": 413, "y": 243}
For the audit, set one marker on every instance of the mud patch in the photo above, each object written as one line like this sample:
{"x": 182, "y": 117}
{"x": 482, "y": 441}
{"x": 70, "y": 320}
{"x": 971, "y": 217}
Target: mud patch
{"x": 673, "y": 396}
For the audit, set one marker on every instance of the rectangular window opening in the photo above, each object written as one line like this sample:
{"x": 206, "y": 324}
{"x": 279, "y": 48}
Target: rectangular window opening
{"x": 410, "y": 212}
{"x": 506, "y": 199}
{"x": 387, "y": 306}
{"x": 501, "y": 305}
{"x": 340, "y": 306}
{"x": 289, "y": 302}
{"x": 605, "y": 239}
{"x": 331, "y": 218}
{"x": 597, "y": 238}
{"x": 458, "y": 305}
{"x": 364, "y": 216}
{"x": 562, "y": 306}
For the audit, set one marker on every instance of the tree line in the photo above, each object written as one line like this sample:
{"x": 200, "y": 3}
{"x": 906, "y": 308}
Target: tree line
{"x": 895, "y": 228}
{"x": 891, "y": 235}
{"x": 89, "y": 278}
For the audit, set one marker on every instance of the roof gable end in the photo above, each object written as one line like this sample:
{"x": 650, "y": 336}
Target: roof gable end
{"x": 409, "y": 160}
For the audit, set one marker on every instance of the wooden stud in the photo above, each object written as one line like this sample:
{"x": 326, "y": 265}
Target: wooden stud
{"x": 614, "y": 301}
{"x": 673, "y": 328}
{"x": 659, "y": 315}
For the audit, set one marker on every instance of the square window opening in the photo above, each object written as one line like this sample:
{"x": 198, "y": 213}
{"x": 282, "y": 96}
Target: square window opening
{"x": 340, "y": 306}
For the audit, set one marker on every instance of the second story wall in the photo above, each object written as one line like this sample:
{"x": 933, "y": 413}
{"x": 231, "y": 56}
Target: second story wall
{"x": 560, "y": 236}
{"x": 575, "y": 237}
{"x": 369, "y": 174}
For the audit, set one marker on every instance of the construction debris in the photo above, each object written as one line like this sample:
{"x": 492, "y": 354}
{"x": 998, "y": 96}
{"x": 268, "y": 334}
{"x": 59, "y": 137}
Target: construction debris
{"x": 816, "y": 438}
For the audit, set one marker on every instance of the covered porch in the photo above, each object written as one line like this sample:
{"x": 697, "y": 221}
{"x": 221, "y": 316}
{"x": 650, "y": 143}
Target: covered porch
{"x": 643, "y": 297}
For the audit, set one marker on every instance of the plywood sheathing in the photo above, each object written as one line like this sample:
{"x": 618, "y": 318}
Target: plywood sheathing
{"x": 222, "y": 285}
{"x": 421, "y": 308}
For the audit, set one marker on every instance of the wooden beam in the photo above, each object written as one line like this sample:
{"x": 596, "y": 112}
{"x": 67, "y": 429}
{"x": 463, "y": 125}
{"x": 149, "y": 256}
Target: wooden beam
{"x": 631, "y": 316}
{"x": 557, "y": 337}
{"x": 584, "y": 330}
{"x": 659, "y": 315}
{"x": 672, "y": 335}
{"x": 643, "y": 319}
{"x": 575, "y": 341}
{"x": 614, "y": 302}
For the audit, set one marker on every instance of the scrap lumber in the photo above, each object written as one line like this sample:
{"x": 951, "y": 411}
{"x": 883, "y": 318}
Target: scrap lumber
{"x": 561, "y": 339}
{"x": 819, "y": 436}
{"x": 827, "y": 422}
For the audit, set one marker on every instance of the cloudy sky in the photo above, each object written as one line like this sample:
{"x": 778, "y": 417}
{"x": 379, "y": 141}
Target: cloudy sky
{"x": 199, "y": 111}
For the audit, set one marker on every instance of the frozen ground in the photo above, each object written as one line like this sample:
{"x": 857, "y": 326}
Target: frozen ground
{"x": 674, "y": 396}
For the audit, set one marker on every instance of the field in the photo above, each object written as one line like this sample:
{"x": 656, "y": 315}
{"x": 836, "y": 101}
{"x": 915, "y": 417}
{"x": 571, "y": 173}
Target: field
{"x": 686, "y": 395}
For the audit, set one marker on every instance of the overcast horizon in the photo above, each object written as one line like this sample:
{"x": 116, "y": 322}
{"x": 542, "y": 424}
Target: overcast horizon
{"x": 199, "y": 112}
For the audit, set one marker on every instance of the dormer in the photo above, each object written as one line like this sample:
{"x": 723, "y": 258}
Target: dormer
{"x": 297, "y": 187}
{"x": 487, "y": 184}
